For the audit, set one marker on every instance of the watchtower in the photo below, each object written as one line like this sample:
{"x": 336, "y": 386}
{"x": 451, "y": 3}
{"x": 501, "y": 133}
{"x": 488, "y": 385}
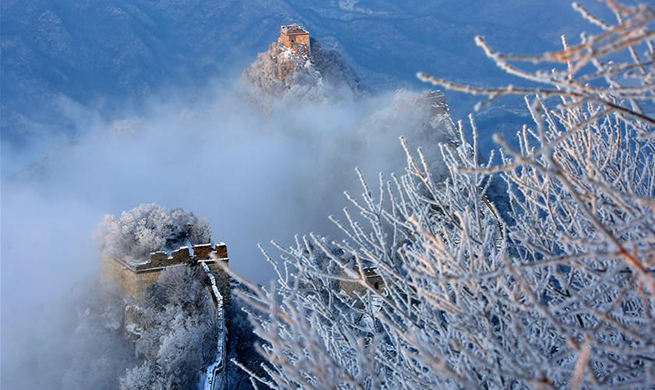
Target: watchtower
{"x": 295, "y": 38}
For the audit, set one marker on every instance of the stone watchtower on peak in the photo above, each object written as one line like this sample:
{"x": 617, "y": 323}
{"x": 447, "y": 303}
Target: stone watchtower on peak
{"x": 295, "y": 38}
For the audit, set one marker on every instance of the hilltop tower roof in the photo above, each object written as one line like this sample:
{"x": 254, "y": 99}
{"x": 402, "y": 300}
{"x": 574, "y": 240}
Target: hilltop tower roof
{"x": 293, "y": 29}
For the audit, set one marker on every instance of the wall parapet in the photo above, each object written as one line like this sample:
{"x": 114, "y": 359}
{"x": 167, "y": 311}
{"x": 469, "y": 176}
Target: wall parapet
{"x": 185, "y": 254}
{"x": 137, "y": 275}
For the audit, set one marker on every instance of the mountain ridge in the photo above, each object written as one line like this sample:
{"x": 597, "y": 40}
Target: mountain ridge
{"x": 127, "y": 51}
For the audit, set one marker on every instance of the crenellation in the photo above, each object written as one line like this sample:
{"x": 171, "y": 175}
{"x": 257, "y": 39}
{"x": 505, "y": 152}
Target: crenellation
{"x": 203, "y": 251}
{"x": 221, "y": 251}
{"x": 158, "y": 259}
{"x": 180, "y": 256}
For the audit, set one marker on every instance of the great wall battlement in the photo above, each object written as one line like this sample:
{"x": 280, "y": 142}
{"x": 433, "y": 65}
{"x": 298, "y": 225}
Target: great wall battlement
{"x": 136, "y": 275}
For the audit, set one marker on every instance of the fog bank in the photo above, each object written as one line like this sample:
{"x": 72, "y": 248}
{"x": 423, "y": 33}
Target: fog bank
{"x": 255, "y": 175}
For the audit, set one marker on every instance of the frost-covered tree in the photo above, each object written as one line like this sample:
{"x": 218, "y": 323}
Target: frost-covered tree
{"x": 558, "y": 292}
{"x": 148, "y": 228}
{"x": 179, "y": 333}
{"x": 242, "y": 345}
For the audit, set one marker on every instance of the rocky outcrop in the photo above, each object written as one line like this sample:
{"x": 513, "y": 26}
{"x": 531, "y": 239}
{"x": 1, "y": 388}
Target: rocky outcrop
{"x": 285, "y": 73}
{"x": 281, "y": 72}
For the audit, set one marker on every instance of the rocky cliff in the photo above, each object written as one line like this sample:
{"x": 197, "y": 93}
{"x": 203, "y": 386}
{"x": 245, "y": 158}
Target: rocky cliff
{"x": 282, "y": 73}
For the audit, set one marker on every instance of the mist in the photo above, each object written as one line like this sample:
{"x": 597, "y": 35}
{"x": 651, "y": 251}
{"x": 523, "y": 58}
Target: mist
{"x": 254, "y": 174}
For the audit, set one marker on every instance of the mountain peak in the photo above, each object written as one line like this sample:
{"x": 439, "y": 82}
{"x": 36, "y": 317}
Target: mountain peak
{"x": 297, "y": 66}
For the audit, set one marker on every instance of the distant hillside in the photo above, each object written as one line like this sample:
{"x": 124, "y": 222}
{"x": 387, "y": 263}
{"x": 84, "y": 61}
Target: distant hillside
{"x": 60, "y": 57}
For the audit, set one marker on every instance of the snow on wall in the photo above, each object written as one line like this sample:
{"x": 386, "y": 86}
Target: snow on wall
{"x": 215, "y": 376}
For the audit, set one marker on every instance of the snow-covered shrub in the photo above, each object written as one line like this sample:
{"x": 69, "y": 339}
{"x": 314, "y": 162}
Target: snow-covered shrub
{"x": 557, "y": 293}
{"x": 148, "y": 228}
{"x": 179, "y": 332}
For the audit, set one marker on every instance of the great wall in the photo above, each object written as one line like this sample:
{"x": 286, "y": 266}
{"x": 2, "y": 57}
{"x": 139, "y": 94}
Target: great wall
{"x": 135, "y": 276}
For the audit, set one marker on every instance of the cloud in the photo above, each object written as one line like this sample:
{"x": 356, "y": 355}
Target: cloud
{"x": 253, "y": 175}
